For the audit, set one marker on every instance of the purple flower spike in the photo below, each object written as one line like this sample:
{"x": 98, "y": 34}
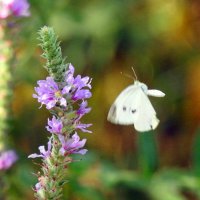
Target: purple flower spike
{"x": 72, "y": 145}
{"x": 54, "y": 126}
{"x": 18, "y": 8}
{"x": 43, "y": 153}
{"x": 7, "y": 159}
{"x": 48, "y": 93}
{"x": 65, "y": 95}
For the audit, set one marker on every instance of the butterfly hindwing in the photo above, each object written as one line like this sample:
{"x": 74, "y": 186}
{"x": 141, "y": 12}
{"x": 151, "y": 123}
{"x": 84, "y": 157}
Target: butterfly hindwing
{"x": 146, "y": 118}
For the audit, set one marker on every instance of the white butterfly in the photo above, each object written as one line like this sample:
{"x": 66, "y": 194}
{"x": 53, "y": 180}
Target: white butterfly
{"x": 132, "y": 106}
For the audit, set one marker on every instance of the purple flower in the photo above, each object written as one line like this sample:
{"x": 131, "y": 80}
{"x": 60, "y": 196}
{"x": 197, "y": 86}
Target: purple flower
{"x": 82, "y": 82}
{"x": 7, "y": 159}
{"x": 43, "y": 153}
{"x": 48, "y": 93}
{"x": 38, "y": 186}
{"x": 83, "y": 108}
{"x": 81, "y": 94}
{"x": 83, "y": 127}
{"x": 77, "y": 85}
{"x": 72, "y": 145}
{"x": 78, "y": 124}
{"x": 69, "y": 75}
{"x": 18, "y": 8}
{"x": 54, "y": 125}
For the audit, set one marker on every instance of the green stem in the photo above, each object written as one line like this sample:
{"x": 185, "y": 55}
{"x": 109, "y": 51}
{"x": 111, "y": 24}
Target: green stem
{"x": 5, "y": 91}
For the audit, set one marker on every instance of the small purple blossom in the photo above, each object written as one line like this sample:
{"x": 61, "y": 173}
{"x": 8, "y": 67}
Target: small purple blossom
{"x": 72, "y": 145}
{"x": 7, "y": 159}
{"x": 81, "y": 94}
{"x": 82, "y": 82}
{"x": 48, "y": 93}
{"x": 43, "y": 153}
{"x": 83, "y": 127}
{"x": 38, "y": 186}
{"x": 77, "y": 85}
{"x": 83, "y": 108}
{"x": 18, "y": 8}
{"x": 54, "y": 126}
{"x": 78, "y": 124}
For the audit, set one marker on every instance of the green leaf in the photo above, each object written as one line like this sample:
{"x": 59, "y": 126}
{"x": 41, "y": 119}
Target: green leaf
{"x": 147, "y": 153}
{"x": 196, "y": 153}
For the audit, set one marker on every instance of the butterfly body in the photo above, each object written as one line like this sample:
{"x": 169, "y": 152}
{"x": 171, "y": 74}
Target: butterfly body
{"x": 132, "y": 106}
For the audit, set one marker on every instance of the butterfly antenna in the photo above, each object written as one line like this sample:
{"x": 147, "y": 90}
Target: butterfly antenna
{"x": 134, "y": 73}
{"x": 127, "y": 75}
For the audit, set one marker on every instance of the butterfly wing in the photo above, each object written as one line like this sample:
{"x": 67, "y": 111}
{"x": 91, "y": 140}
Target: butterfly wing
{"x": 124, "y": 109}
{"x": 146, "y": 116}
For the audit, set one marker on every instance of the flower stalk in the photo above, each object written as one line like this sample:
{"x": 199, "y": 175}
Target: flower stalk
{"x": 10, "y": 10}
{"x": 5, "y": 90}
{"x": 7, "y": 157}
{"x": 64, "y": 95}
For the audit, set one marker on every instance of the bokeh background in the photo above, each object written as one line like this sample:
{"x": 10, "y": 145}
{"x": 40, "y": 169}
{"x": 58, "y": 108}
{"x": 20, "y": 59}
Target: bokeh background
{"x": 161, "y": 39}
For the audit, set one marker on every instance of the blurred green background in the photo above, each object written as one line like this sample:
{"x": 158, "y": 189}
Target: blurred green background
{"x": 161, "y": 39}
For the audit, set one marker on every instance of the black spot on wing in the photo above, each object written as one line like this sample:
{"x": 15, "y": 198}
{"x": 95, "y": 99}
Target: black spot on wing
{"x": 113, "y": 112}
{"x": 133, "y": 111}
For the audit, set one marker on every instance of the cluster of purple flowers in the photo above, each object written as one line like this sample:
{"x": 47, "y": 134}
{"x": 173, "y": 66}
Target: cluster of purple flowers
{"x": 60, "y": 98}
{"x": 7, "y": 159}
{"x": 50, "y": 93}
{"x": 18, "y": 8}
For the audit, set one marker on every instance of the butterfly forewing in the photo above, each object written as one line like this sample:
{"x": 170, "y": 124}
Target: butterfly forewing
{"x": 124, "y": 109}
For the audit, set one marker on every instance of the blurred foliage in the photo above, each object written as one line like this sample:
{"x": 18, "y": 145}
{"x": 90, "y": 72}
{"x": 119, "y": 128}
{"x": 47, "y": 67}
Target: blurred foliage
{"x": 103, "y": 38}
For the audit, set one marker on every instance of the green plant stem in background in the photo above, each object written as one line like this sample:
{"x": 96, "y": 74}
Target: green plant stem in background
{"x": 5, "y": 90}
{"x": 7, "y": 157}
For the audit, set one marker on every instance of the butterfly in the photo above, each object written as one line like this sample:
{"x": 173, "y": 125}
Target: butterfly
{"x": 133, "y": 106}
